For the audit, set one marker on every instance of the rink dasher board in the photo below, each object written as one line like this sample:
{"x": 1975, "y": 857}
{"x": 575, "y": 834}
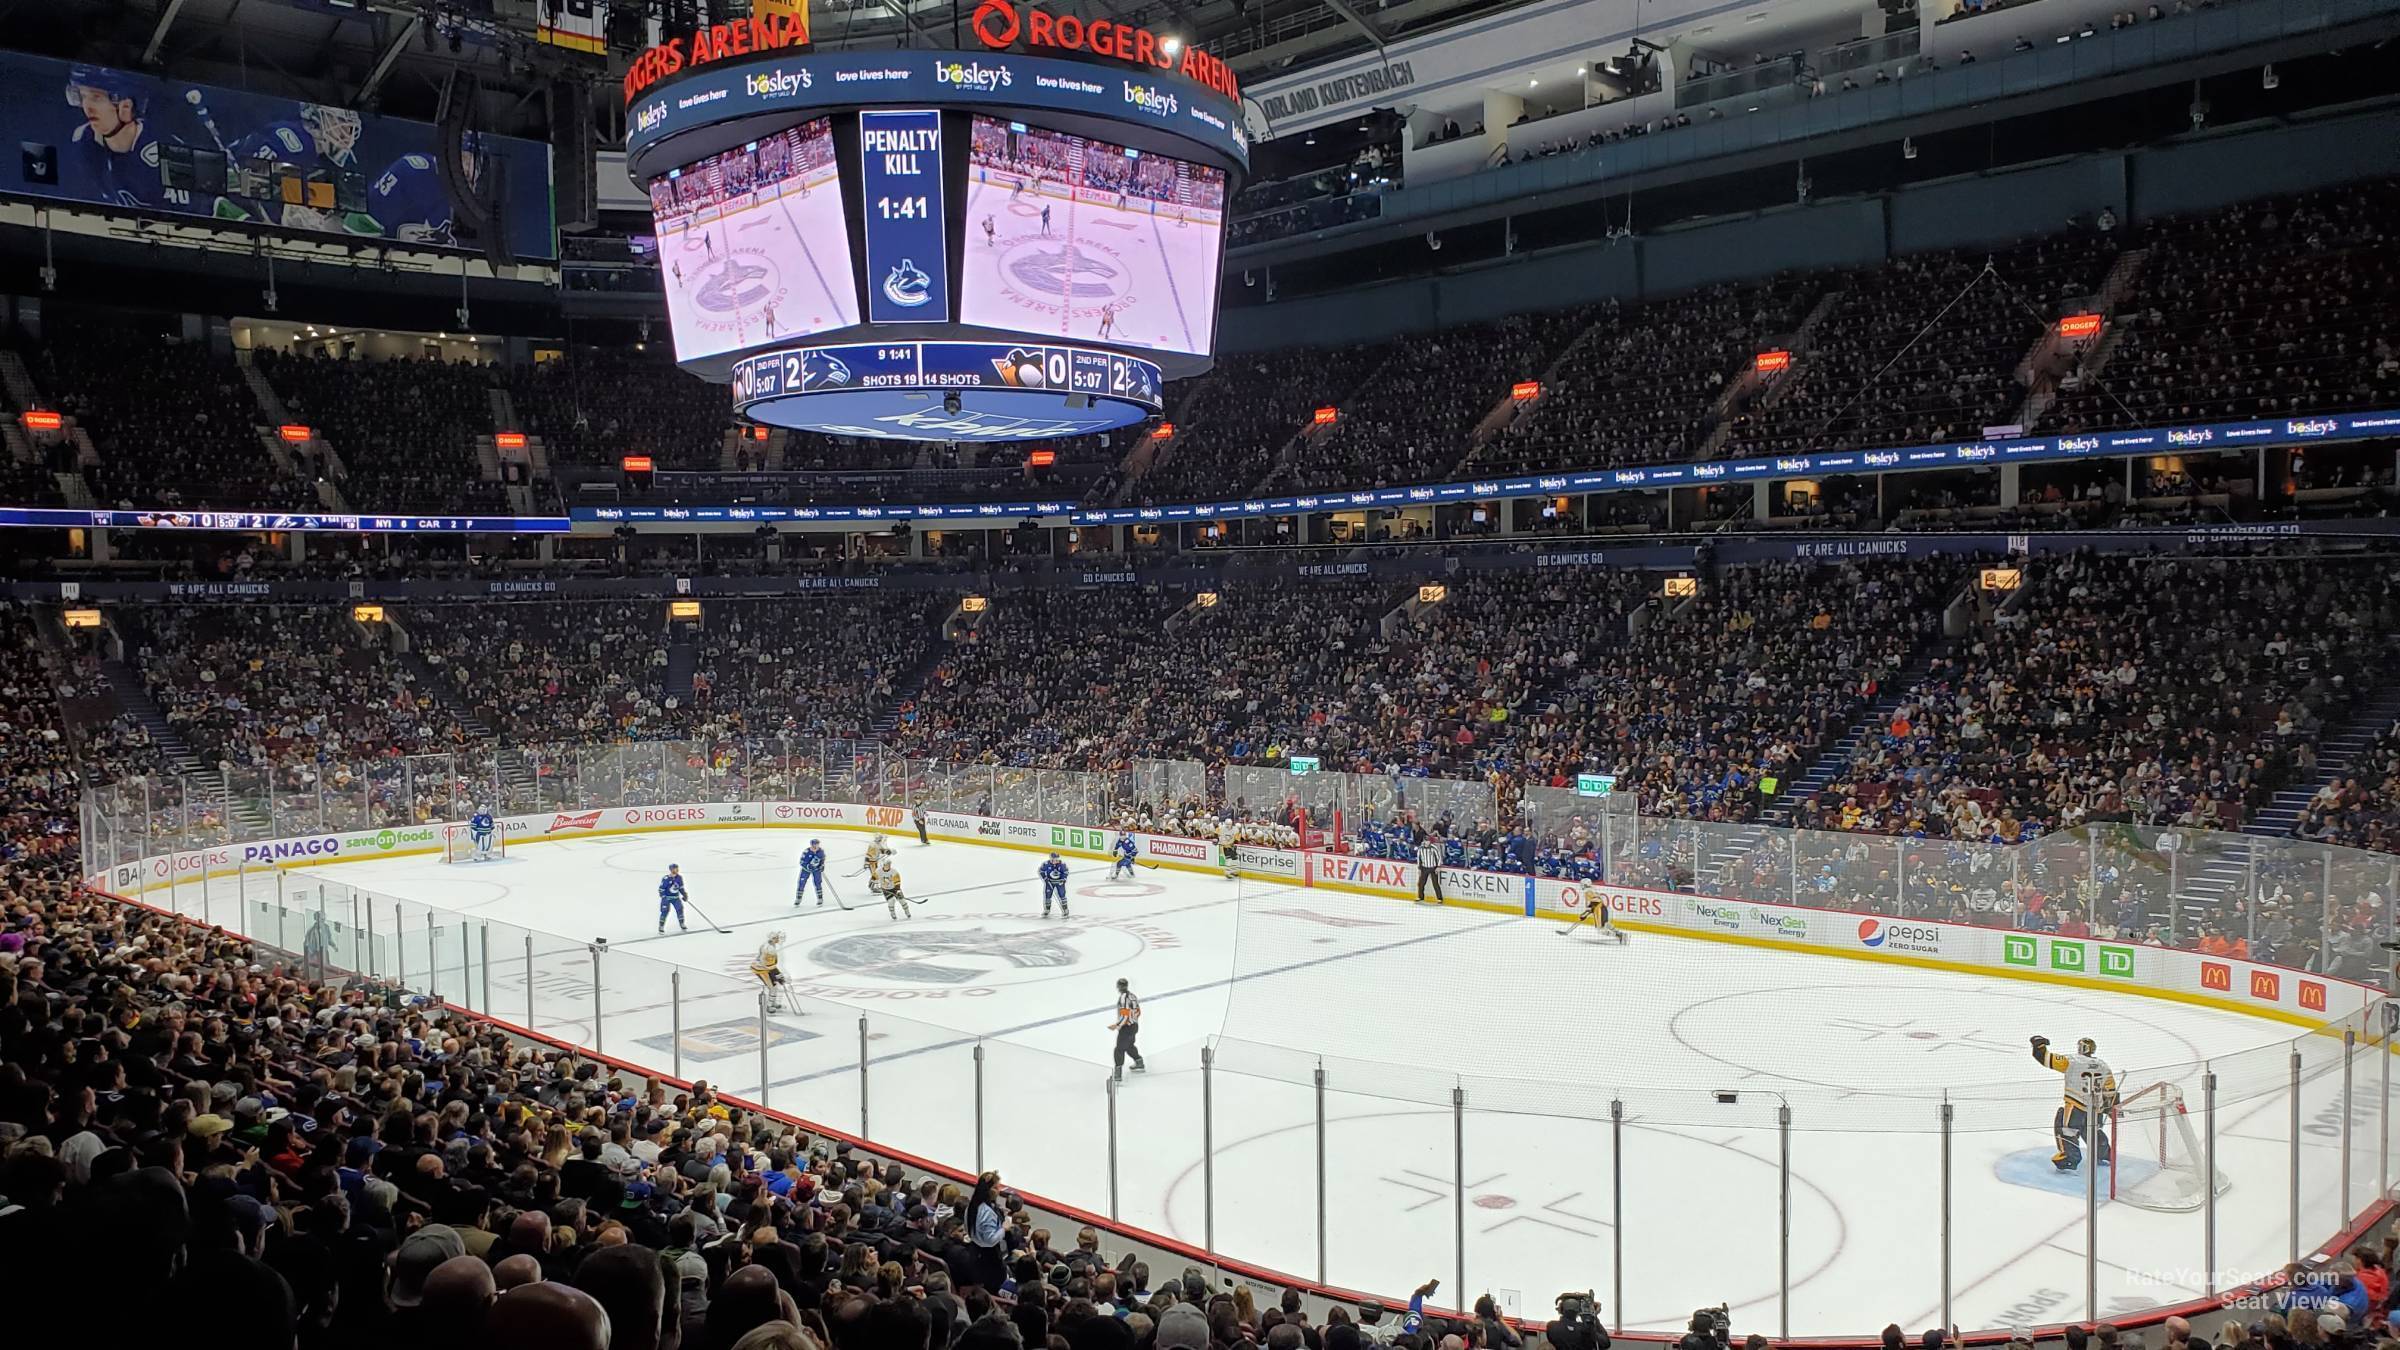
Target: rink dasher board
{"x": 2253, "y": 988}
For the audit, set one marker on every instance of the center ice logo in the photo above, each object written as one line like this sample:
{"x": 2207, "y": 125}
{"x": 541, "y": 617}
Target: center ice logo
{"x": 907, "y": 284}
{"x": 1065, "y": 273}
{"x": 743, "y": 280}
{"x": 932, "y": 958}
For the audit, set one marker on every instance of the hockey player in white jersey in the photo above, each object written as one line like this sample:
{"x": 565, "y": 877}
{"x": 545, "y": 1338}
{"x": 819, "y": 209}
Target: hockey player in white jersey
{"x": 1228, "y": 835}
{"x": 768, "y": 967}
{"x": 887, "y": 883}
{"x": 2091, "y": 1093}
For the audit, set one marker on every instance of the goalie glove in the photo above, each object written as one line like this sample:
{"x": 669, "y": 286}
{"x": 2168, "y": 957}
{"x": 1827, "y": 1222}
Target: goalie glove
{"x": 2041, "y": 1051}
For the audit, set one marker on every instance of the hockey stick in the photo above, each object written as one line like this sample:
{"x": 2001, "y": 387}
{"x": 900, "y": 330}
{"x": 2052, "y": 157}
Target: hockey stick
{"x": 687, "y": 904}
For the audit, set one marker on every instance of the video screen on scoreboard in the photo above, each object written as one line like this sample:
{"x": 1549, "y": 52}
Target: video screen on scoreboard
{"x": 753, "y": 244}
{"x": 1076, "y": 238}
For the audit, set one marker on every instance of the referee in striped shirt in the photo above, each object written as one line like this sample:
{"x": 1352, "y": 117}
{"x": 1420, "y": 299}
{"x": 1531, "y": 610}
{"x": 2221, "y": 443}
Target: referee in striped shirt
{"x": 1128, "y": 1025}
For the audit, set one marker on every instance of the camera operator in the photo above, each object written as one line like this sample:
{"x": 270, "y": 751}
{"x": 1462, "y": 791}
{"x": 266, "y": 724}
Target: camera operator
{"x": 1578, "y": 1326}
{"x": 1711, "y": 1329}
{"x": 1494, "y": 1332}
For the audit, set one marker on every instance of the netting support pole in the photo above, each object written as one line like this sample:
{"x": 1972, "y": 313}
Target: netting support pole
{"x": 2383, "y": 1148}
{"x": 1321, "y": 1171}
{"x": 862, "y": 1076}
{"x": 528, "y": 979}
{"x": 2208, "y": 1190}
{"x": 1208, "y": 1150}
{"x": 675, "y": 1021}
{"x": 399, "y": 947}
{"x": 1616, "y": 1201}
{"x": 979, "y": 1106}
{"x": 2292, "y": 1191}
{"x": 2092, "y": 1147}
{"x": 433, "y": 958}
{"x": 1947, "y": 1112}
{"x": 599, "y": 1040}
{"x": 363, "y": 936}
{"x": 1112, "y": 1146}
{"x": 762, "y": 1049}
{"x": 1458, "y": 1200}
{"x": 2349, "y": 1047}
{"x": 466, "y": 965}
{"x": 1783, "y": 1223}
{"x": 487, "y": 969}
{"x": 2174, "y": 905}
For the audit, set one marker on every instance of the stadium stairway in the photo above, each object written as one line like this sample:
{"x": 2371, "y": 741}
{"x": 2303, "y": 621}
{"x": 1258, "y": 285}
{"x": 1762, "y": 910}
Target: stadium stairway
{"x": 683, "y": 658}
{"x": 907, "y": 687}
{"x": 2338, "y": 753}
{"x": 1829, "y": 762}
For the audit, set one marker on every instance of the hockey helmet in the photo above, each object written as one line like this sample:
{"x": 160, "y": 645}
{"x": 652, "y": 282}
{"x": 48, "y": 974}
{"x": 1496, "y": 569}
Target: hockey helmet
{"x": 775, "y": 939}
{"x": 117, "y": 85}
{"x": 2087, "y": 1046}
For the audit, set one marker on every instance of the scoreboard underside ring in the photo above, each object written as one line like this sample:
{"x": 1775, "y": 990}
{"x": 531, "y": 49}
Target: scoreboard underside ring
{"x": 948, "y": 391}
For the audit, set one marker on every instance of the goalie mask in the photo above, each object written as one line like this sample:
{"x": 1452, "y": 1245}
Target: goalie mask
{"x": 2087, "y": 1046}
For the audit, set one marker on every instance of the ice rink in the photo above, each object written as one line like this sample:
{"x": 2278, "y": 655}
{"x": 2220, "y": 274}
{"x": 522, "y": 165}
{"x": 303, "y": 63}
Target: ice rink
{"x": 1404, "y": 1004}
{"x": 1151, "y": 265}
{"x": 774, "y": 263}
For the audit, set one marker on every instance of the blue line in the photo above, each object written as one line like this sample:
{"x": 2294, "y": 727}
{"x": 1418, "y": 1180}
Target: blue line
{"x": 1157, "y": 998}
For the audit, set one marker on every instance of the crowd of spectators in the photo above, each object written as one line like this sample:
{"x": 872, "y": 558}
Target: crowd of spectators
{"x": 404, "y": 429}
{"x": 2267, "y": 309}
{"x": 184, "y": 434}
{"x": 1922, "y": 350}
{"x": 1643, "y": 386}
{"x": 2166, "y": 692}
{"x": 824, "y": 667}
{"x": 539, "y": 673}
{"x": 1409, "y": 422}
{"x": 596, "y": 405}
{"x": 283, "y": 686}
{"x": 1226, "y": 440}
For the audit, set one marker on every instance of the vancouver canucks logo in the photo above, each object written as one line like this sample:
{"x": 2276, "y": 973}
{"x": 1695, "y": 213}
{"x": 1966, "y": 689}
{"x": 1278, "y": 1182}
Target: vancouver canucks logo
{"x": 939, "y": 957}
{"x": 907, "y": 284}
{"x": 822, "y": 370}
{"x": 736, "y": 284}
{"x": 1066, "y": 272}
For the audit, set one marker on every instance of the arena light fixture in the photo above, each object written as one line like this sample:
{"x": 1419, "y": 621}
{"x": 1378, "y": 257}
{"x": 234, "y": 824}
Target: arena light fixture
{"x": 509, "y": 440}
{"x": 974, "y": 604}
{"x": 1525, "y": 389}
{"x": 1207, "y": 599}
{"x": 43, "y": 421}
{"x": 684, "y": 609}
{"x": 2001, "y": 580}
{"x": 294, "y": 434}
{"x": 1432, "y": 593}
{"x": 1042, "y": 459}
{"x": 367, "y": 613}
{"x": 80, "y": 618}
{"x": 1772, "y": 362}
{"x": 636, "y": 464}
{"x": 2079, "y": 325}
{"x": 1680, "y": 588}
{"x": 1326, "y": 417}
{"x": 1164, "y": 431}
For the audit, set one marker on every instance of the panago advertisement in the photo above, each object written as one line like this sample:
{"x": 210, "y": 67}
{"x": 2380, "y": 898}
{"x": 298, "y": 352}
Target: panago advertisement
{"x": 2245, "y": 986}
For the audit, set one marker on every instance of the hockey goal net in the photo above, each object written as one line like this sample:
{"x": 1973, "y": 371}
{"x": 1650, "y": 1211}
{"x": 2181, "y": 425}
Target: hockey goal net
{"x": 2159, "y": 1162}
{"x": 458, "y": 842}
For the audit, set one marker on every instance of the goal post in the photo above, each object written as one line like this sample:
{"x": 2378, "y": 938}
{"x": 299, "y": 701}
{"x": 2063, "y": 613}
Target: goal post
{"x": 458, "y": 842}
{"x": 2160, "y": 1164}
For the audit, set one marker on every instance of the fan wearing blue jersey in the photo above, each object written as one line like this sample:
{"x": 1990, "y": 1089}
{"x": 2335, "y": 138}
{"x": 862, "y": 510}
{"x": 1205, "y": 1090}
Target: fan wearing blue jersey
{"x": 812, "y": 868}
{"x": 1054, "y": 886}
{"x": 1127, "y": 851}
{"x": 113, "y": 156}
{"x": 671, "y": 896}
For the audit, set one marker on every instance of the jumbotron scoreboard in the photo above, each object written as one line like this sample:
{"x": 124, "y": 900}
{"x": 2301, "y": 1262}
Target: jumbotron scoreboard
{"x": 940, "y": 245}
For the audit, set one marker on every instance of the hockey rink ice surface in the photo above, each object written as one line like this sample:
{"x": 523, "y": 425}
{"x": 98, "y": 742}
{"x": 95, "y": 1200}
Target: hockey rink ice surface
{"x": 1403, "y": 1003}
{"x": 1159, "y": 277}
{"x": 766, "y": 255}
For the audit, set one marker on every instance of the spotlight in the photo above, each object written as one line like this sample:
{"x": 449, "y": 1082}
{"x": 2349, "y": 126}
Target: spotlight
{"x": 951, "y": 404}
{"x": 1171, "y": 45}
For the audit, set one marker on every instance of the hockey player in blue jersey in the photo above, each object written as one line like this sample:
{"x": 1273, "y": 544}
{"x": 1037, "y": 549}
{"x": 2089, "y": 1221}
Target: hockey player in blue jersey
{"x": 408, "y": 202}
{"x": 1054, "y": 886}
{"x": 1127, "y": 851}
{"x": 671, "y": 896}
{"x": 812, "y": 868}
{"x": 324, "y": 140}
{"x": 481, "y": 828}
{"x": 113, "y": 156}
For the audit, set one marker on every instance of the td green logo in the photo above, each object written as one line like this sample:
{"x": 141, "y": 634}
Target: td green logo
{"x": 2017, "y": 950}
{"x": 1063, "y": 837}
